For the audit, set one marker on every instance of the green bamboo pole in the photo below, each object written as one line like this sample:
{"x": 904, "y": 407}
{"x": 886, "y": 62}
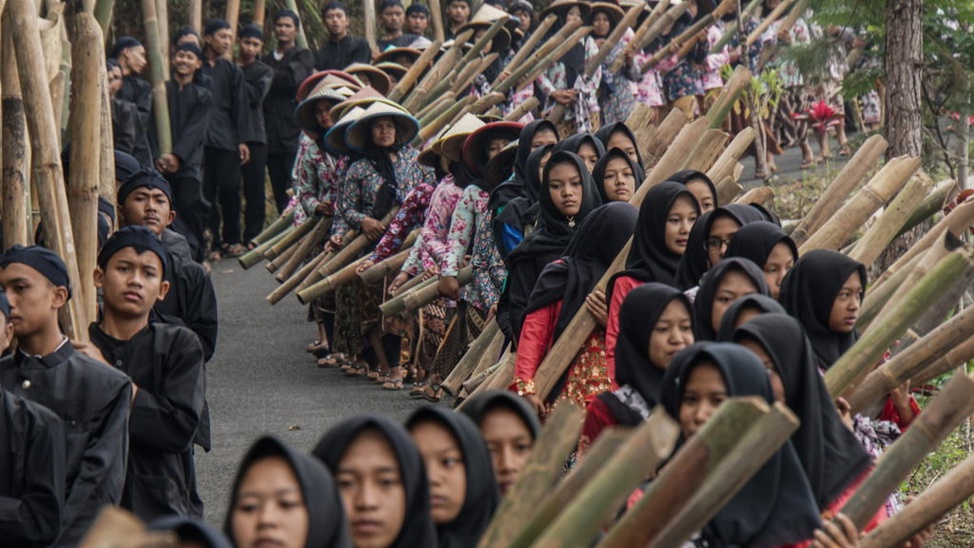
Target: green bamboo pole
{"x": 932, "y": 205}
{"x": 879, "y": 294}
{"x": 471, "y": 358}
{"x": 306, "y": 246}
{"x": 556, "y": 441}
{"x": 290, "y": 284}
{"x": 256, "y": 255}
{"x": 385, "y": 267}
{"x": 275, "y": 228}
{"x": 291, "y": 237}
{"x": 162, "y": 11}
{"x": 711, "y": 146}
{"x": 526, "y": 49}
{"x": 16, "y": 182}
{"x": 157, "y": 75}
{"x": 103, "y": 13}
{"x": 858, "y": 361}
{"x": 948, "y": 409}
{"x": 887, "y": 226}
{"x": 739, "y": 81}
{"x": 952, "y": 359}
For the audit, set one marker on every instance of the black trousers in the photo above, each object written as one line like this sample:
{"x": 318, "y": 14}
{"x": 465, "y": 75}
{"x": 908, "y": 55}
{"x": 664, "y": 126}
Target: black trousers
{"x": 191, "y": 211}
{"x": 221, "y": 187}
{"x": 253, "y": 190}
{"x": 279, "y": 166}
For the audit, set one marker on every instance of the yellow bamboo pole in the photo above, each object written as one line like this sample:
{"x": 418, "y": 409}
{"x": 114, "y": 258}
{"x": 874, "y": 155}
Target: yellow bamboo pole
{"x": 157, "y": 64}
{"x": 16, "y": 185}
{"x": 888, "y": 225}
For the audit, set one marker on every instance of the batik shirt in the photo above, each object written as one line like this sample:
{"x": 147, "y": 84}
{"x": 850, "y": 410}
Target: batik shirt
{"x": 315, "y": 177}
{"x": 472, "y": 205}
{"x": 617, "y": 94}
{"x": 361, "y": 184}
{"x": 555, "y": 79}
{"x": 436, "y": 229}
{"x": 489, "y": 271}
{"x": 410, "y": 216}
{"x": 683, "y": 79}
{"x": 710, "y": 77}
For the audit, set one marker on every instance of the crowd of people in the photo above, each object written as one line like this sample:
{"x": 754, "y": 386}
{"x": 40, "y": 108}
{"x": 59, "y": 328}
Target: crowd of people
{"x": 515, "y": 221}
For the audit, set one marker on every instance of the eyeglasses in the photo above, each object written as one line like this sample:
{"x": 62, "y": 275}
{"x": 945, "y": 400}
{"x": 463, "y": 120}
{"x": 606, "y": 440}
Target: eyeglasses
{"x": 715, "y": 242}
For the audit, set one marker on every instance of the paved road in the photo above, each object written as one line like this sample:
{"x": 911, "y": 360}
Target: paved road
{"x": 262, "y": 381}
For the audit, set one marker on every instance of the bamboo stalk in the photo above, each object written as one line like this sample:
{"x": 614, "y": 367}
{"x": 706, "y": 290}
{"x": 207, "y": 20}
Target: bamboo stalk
{"x": 888, "y": 225}
{"x": 552, "y": 58}
{"x": 16, "y": 186}
{"x": 409, "y": 284}
{"x": 514, "y": 73}
{"x": 383, "y": 268}
{"x": 728, "y": 190}
{"x": 771, "y": 18}
{"x": 556, "y": 441}
{"x": 677, "y": 43}
{"x": 871, "y": 197}
{"x": 879, "y": 294}
{"x": 285, "y": 256}
{"x": 683, "y": 476}
{"x": 438, "y": 123}
{"x": 760, "y": 195}
{"x": 348, "y": 252}
{"x": 440, "y": 71}
{"x": 730, "y": 31}
{"x": 636, "y": 43}
{"x": 471, "y": 358}
{"x": 724, "y": 166}
{"x": 481, "y": 42}
{"x": 42, "y": 128}
{"x": 397, "y": 304}
{"x": 707, "y": 150}
{"x": 106, "y": 161}
{"x": 665, "y": 21}
{"x": 739, "y": 81}
{"x": 413, "y": 74}
{"x": 928, "y": 507}
{"x": 196, "y": 15}
{"x": 951, "y": 406}
{"x": 368, "y": 10}
{"x": 435, "y": 108}
{"x": 289, "y": 239}
{"x": 931, "y": 205}
{"x": 436, "y": 15}
{"x": 627, "y": 22}
{"x": 260, "y": 9}
{"x": 526, "y": 49}
{"x": 658, "y": 141}
{"x": 465, "y": 81}
{"x": 423, "y": 296}
{"x": 911, "y": 361}
{"x": 855, "y": 363}
{"x": 522, "y": 109}
{"x": 481, "y": 105}
{"x": 162, "y": 10}
{"x": 232, "y": 16}
{"x": 275, "y": 228}
{"x": 673, "y": 159}
{"x": 344, "y": 275}
{"x": 304, "y": 248}
{"x": 929, "y": 260}
{"x": 855, "y": 171}
{"x": 300, "y": 276}
{"x": 157, "y": 64}
{"x": 301, "y": 40}
{"x": 256, "y": 255}
{"x": 85, "y": 127}
{"x": 638, "y": 458}
{"x": 954, "y": 358}
{"x": 103, "y": 13}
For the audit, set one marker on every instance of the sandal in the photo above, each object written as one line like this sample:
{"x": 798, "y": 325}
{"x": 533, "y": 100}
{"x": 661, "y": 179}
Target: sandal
{"x": 310, "y": 349}
{"x": 392, "y": 384}
{"x": 807, "y": 164}
{"x": 382, "y": 379}
{"x": 357, "y": 370}
{"x": 417, "y": 390}
{"x": 433, "y": 393}
{"x": 844, "y": 150}
{"x": 373, "y": 375}
{"x": 331, "y": 360}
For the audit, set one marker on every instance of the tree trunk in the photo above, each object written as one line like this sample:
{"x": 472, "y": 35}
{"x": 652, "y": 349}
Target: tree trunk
{"x": 904, "y": 63}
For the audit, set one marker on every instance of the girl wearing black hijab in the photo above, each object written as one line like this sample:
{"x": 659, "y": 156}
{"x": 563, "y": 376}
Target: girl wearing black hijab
{"x": 562, "y": 290}
{"x": 307, "y": 508}
{"x": 617, "y": 176}
{"x": 743, "y": 310}
{"x": 700, "y": 185}
{"x": 723, "y": 224}
{"x": 510, "y": 427}
{"x": 723, "y": 284}
{"x": 462, "y": 487}
{"x": 776, "y": 507}
{"x": 382, "y": 481}
{"x": 693, "y": 263}
{"x": 568, "y": 195}
{"x": 618, "y": 135}
{"x": 657, "y": 322}
{"x": 767, "y": 246}
{"x": 666, "y": 218}
{"x": 586, "y": 146}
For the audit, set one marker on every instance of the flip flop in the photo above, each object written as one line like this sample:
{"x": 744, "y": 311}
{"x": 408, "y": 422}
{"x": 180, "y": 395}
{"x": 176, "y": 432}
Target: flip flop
{"x": 392, "y": 384}
{"x": 417, "y": 390}
{"x": 433, "y": 393}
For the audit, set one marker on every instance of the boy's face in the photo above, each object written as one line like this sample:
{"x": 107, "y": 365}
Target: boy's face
{"x": 132, "y": 282}
{"x": 459, "y": 12}
{"x": 220, "y": 41}
{"x": 392, "y": 19}
{"x": 134, "y": 59}
{"x": 336, "y": 22}
{"x": 250, "y": 47}
{"x": 286, "y": 30}
{"x": 149, "y": 207}
{"x": 185, "y": 63}
{"x": 416, "y": 23}
{"x": 34, "y": 300}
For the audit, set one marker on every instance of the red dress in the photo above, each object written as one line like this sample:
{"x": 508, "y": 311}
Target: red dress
{"x": 621, "y": 287}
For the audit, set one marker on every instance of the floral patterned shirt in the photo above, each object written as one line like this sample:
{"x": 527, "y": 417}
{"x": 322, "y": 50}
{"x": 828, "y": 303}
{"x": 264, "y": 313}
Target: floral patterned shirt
{"x": 315, "y": 177}
{"x": 409, "y": 217}
{"x": 469, "y": 209}
{"x": 683, "y": 79}
{"x": 555, "y": 79}
{"x": 358, "y": 189}
{"x": 617, "y": 93}
{"x": 436, "y": 229}
{"x": 710, "y": 76}
{"x": 649, "y": 89}
{"x": 489, "y": 271}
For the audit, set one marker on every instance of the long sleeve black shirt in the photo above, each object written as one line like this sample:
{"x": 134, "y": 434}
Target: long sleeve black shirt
{"x": 289, "y": 71}
{"x": 230, "y": 122}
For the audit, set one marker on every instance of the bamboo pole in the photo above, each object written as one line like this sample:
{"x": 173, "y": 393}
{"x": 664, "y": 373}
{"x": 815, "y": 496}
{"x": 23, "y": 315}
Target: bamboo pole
{"x": 16, "y": 185}
{"x": 415, "y": 72}
{"x": 301, "y": 40}
{"x": 368, "y": 9}
{"x": 285, "y": 256}
{"x": 556, "y": 441}
{"x": 307, "y": 245}
{"x": 290, "y": 238}
{"x": 626, "y": 23}
{"x": 522, "y": 109}
{"x": 466, "y": 79}
{"x": 674, "y": 159}
{"x": 728, "y": 190}
{"x": 438, "y": 123}
{"x": 106, "y": 162}
{"x": 440, "y": 71}
{"x": 85, "y": 127}
{"x": 42, "y": 127}
{"x": 903, "y": 366}
{"x": 232, "y": 16}
{"x": 855, "y": 171}
{"x": 952, "y": 359}
{"x": 436, "y": 14}
{"x": 730, "y": 31}
{"x": 157, "y": 64}
{"x": 760, "y": 195}
{"x": 660, "y": 18}
{"x": 275, "y": 228}
{"x": 256, "y": 255}
{"x": 196, "y": 15}
{"x": 739, "y": 81}
{"x": 928, "y": 507}
{"x": 421, "y": 297}
{"x": 351, "y": 249}
{"x": 408, "y": 284}
{"x": 471, "y": 358}
{"x": 858, "y": 361}
{"x": 103, "y": 13}
{"x": 683, "y": 476}
{"x": 298, "y": 278}
{"x": 162, "y": 10}
{"x": 837, "y": 230}
{"x": 948, "y": 409}
{"x": 888, "y": 225}
{"x": 383, "y": 268}
{"x": 260, "y": 10}
{"x": 667, "y": 130}
{"x": 771, "y": 18}
{"x": 331, "y": 282}
{"x": 707, "y": 150}
{"x": 513, "y": 74}
{"x": 931, "y": 205}
{"x": 637, "y": 459}
{"x": 636, "y": 42}
{"x": 761, "y": 442}
{"x": 555, "y": 56}
{"x": 676, "y": 43}
{"x": 435, "y": 108}
{"x": 526, "y": 49}
{"x": 724, "y": 166}
{"x": 879, "y": 294}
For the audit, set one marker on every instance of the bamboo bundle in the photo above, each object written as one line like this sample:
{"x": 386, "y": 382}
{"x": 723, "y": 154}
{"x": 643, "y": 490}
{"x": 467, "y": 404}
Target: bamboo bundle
{"x": 280, "y": 225}
{"x": 947, "y": 492}
{"x": 858, "y": 361}
{"x": 522, "y": 109}
{"x": 556, "y": 441}
{"x": 636, "y": 43}
{"x": 637, "y": 459}
{"x": 16, "y": 185}
{"x": 481, "y": 105}
{"x": 932, "y": 204}
{"x": 888, "y": 225}
{"x": 422, "y": 296}
{"x": 879, "y": 294}
{"x": 667, "y": 130}
{"x": 383, "y": 268}
{"x": 256, "y": 255}
{"x": 466, "y": 77}
{"x": 948, "y": 409}
{"x": 605, "y": 446}
{"x": 397, "y": 304}
{"x": 739, "y": 81}
{"x": 48, "y": 177}
{"x": 664, "y": 19}
{"x": 85, "y": 127}
{"x": 331, "y": 282}
{"x": 351, "y": 249}
{"x": 730, "y": 31}
{"x": 471, "y": 357}
{"x": 683, "y": 476}
{"x": 438, "y": 123}
{"x": 436, "y": 15}
{"x": 771, "y": 18}
{"x": 284, "y": 257}
{"x": 627, "y": 22}
{"x": 837, "y": 230}
{"x": 290, "y": 238}
{"x": 640, "y": 116}
{"x": 490, "y": 375}
{"x": 760, "y": 195}
{"x": 952, "y": 359}
{"x": 677, "y": 43}
{"x": 707, "y": 150}
{"x": 412, "y": 75}
{"x": 441, "y": 71}
{"x": 728, "y": 190}
{"x": 515, "y": 74}
{"x": 299, "y": 277}
{"x": 304, "y": 248}
{"x": 724, "y": 166}
{"x": 673, "y": 159}
{"x": 157, "y": 68}
{"x": 913, "y": 360}
{"x": 526, "y": 49}
{"x": 502, "y": 377}
{"x": 482, "y": 359}
{"x": 855, "y": 171}
{"x": 435, "y": 108}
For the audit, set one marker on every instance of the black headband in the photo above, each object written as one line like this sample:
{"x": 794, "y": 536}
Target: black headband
{"x": 40, "y": 259}
{"x": 138, "y": 237}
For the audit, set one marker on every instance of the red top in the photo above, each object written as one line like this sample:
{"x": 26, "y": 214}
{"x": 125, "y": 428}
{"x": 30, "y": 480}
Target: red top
{"x": 598, "y": 417}
{"x": 537, "y": 336}
{"x": 890, "y": 413}
{"x": 621, "y": 287}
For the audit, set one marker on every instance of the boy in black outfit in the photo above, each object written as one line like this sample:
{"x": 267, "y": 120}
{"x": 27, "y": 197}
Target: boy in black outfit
{"x": 258, "y": 77}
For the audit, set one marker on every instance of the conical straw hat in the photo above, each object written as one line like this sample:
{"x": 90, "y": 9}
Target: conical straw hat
{"x": 371, "y": 75}
{"x": 335, "y": 137}
{"x": 452, "y": 141}
{"x": 357, "y": 138}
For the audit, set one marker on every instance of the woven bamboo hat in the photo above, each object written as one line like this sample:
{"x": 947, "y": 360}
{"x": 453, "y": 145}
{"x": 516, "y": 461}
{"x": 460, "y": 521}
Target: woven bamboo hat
{"x": 335, "y": 137}
{"x": 483, "y": 19}
{"x": 392, "y": 54}
{"x": 559, "y": 6}
{"x": 309, "y": 83}
{"x": 451, "y": 143}
{"x": 475, "y": 145}
{"x": 393, "y": 70}
{"x": 501, "y": 166}
{"x": 305, "y": 112}
{"x": 407, "y": 127}
{"x": 611, "y": 9}
{"x": 362, "y": 98}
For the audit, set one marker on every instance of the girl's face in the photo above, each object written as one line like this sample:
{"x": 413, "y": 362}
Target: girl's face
{"x": 270, "y": 506}
{"x": 589, "y": 154}
{"x": 758, "y": 350}
{"x": 704, "y": 392}
{"x": 621, "y": 141}
{"x": 370, "y": 483}
{"x": 721, "y": 231}
{"x": 673, "y": 332}
{"x": 679, "y": 222}
{"x": 701, "y": 191}
{"x": 444, "y": 465}
{"x": 384, "y": 132}
{"x": 779, "y": 262}
{"x": 732, "y": 286}
{"x": 565, "y": 188}
{"x": 323, "y": 114}
{"x": 509, "y": 442}
{"x": 619, "y": 180}
{"x": 845, "y": 308}
{"x": 496, "y": 145}
{"x": 543, "y": 137}
{"x": 574, "y": 14}
{"x": 524, "y": 19}
{"x": 601, "y": 25}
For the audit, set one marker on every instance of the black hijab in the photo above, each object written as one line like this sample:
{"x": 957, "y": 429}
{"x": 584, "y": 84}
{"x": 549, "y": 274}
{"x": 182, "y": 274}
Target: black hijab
{"x": 693, "y": 263}
{"x": 598, "y": 172}
{"x": 755, "y": 301}
{"x": 832, "y": 457}
{"x": 480, "y": 405}
{"x": 327, "y": 525}
{"x": 607, "y": 131}
{"x": 192, "y": 530}
{"x": 575, "y": 142}
{"x": 704, "y": 303}
{"x": 649, "y": 259}
{"x": 482, "y": 494}
{"x": 775, "y": 507}
{"x": 380, "y": 160}
{"x": 741, "y": 213}
{"x": 691, "y": 175}
{"x": 528, "y": 132}
{"x": 755, "y": 241}
{"x": 417, "y": 528}
{"x": 637, "y": 318}
{"x": 808, "y": 293}
{"x": 574, "y": 59}
{"x": 601, "y": 237}
{"x": 522, "y": 211}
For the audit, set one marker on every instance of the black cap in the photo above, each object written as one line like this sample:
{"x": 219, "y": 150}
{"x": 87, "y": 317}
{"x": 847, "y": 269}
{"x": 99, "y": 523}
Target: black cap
{"x": 138, "y": 237}
{"x": 147, "y": 178}
{"x": 40, "y": 259}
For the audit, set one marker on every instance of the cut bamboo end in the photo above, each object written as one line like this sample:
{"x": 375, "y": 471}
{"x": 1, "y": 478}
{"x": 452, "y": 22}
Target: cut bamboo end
{"x": 471, "y": 358}
{"x": 724, "y": 166}
{"x": 888, "y": 225}
{"x": 761, "y": 195}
